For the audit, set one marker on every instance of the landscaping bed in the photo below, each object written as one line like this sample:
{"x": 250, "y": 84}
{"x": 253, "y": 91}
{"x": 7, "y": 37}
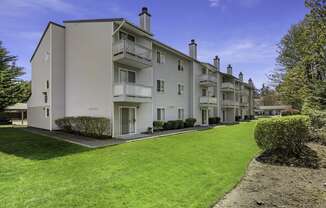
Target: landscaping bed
{"x": 286, "y": 186}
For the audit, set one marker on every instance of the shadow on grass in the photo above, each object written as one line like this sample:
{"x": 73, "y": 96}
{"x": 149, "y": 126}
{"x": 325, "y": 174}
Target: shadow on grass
{"x": 23, "y": 144}
{"x": 308, "y": 158}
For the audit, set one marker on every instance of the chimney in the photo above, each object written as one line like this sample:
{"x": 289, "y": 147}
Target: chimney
{"x": 216, "y": 62}
{"x": 145, "y": 20}
{"x": 193, "y": 49}
{"x": 241, "y": 76}
{"x": 229, "y": 69}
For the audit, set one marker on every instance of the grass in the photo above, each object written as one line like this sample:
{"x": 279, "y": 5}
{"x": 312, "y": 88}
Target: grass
{"x": 189, "y": 170}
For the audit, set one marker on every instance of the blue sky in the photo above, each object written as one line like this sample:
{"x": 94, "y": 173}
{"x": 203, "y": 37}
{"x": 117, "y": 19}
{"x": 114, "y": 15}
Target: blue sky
{"x": 243, "y": 33}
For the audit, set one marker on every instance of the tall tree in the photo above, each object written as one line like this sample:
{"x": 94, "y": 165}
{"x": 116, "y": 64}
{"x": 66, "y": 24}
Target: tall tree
{"x": 302, "y": 54}
{"x": 12, "y": 88}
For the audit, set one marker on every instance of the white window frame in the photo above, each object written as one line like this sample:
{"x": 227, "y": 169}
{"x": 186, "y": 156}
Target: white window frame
{"x": 183, "y": 88}
{"x": 46, "y": 110}
{"x": 164, "y": 114}
{"x": 162, "y": 57}
{"x": 183, "y": 113}
{"x": 128, "y": 70}
{"x": 160, "y": 91}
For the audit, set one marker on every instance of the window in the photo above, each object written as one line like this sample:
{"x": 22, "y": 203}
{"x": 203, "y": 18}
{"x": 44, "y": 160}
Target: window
{"x": 180, "y": 89}
{"x": 47, "y": 112}
{"x": 160, "y": 86}
{"x": 125, "y": 36}
{"x": 180, "y": 114}
{"x": 204, "y": 92}
{"x": 180, "y": 65}
{"x": 47, "y": 84}
{"x": 161, "y": 114}
{"x": 45, "y": 97}
{"x": 160, "y": 58}
{"x": 127, "y": 76}
{"x": 203, "y": 71}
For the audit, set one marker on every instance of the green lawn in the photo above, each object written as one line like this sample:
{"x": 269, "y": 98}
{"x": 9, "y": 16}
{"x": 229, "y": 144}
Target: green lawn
{"x": 189, "y": 170}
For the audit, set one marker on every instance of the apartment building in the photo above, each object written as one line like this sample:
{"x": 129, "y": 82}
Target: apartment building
{"x": 115, "y": 69}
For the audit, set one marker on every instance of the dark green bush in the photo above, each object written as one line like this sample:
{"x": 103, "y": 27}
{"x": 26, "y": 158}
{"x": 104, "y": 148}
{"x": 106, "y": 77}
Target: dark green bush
{"x": 158, "y": 125}
{"x": 168, "y": 125}
{"x": 88, "y": 126}
{"x": 214, "y": 120}
{"x": 237, "y": 118}
{"x": 179, "y": 124}
{"x": 251, "y": 117}
{"x": 190, "y": 122}
{"x": 246, "y": 117}
{"x": 287, "y": 133}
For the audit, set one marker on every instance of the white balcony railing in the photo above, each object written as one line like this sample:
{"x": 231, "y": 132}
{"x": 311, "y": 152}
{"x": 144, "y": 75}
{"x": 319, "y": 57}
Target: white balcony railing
{"x": 207, "y": 100}
{"x": 230, "y": 103}
{"x": 227, "y": 85}
{"x": 132, "y": 48}
{"x": 207, "y": 78}
{"x": 132, "y": 90}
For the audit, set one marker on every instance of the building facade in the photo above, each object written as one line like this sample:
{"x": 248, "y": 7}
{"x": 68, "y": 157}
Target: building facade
{"x": 115, "y": 69}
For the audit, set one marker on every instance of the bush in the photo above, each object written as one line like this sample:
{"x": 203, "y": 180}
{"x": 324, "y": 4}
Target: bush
{"x": 246, "y": 118}
{"x": 158, "y": 125}
{"x": 286, "y": 133}
{"x": 179, "y": 124}
{"x": 318, "y": 126}
{"x": 251, "y": 117}
{"x": 190, "y": 122}
{"x": 84, "y": 125}
{"x": 214, "y": 120}
{"x": 237, "y": 118}
{"x": 168, "y": 125}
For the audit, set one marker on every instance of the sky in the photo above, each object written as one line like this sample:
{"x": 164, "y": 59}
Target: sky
{"x": 243, "y": 33}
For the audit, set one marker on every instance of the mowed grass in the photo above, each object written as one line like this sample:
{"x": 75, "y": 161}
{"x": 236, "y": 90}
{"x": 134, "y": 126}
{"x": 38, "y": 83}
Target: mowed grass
{"x": 188, "y": 170}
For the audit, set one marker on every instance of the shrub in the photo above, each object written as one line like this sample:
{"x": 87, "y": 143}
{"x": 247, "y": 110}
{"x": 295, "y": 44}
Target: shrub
{"x": 190, "y": 122}
{"x": 84, "y": 125}
{"x": 179, "y": 124}
{"x": 237, "y": 118}
{"x": 251, "y": 117}
{"x": 158, "y": 125}
{"x": 318, "y": 126}
{"x": 246, "y": 117}
{"x": 214, "y": 120}
{"x": 168, "y": 125}
{"x": 286, "y": 133}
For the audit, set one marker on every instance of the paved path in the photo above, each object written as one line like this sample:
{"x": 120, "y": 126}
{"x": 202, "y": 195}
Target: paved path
{"x": 97, "y": 143}
{"x": 76, "y": 139}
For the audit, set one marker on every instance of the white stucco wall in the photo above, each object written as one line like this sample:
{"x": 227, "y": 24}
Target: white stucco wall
{"x": 170, "y": 100}
{"x": 89, "y": 73}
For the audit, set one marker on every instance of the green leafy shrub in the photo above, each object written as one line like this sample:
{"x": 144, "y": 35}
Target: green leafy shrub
{"x": 237, "y": 118}
{"x": 214, "y": 120}
{"x": 190, "y": 122}
{"x": 318, "y": 126}
{"x": 246, "y": 118}
{"x": 179, "y": 124}
{"x": 287, "y": 133}
{"x": 158, "y": 125}
{"x": 84, "y": 125}
{"x": 168, "y": 125}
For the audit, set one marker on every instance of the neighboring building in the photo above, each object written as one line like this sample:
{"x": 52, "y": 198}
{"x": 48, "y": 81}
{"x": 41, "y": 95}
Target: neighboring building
{"x": 17, "y": 113}
{"x": 112, "y": 68}
{"x": 272, "y": 110}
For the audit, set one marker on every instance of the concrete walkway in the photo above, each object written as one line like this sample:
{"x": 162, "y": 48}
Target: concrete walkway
{"x": 97, "y": 143}
{"x": 76, "y": 139}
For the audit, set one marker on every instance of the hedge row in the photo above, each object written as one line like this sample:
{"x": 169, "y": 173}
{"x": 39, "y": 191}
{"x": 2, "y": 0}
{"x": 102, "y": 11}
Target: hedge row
{"x": 214, "y": 120}
{"x": 84, "y": 125}
{"x": 174, "y": 124}
{"x": 288, "y": 133}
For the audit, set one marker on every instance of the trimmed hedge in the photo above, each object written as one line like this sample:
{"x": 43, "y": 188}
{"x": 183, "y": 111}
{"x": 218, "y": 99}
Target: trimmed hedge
{"x": 190, "y": 122}
{"x": 237, "y": 118}
{"x": 214, "y": 120}
{"x": 87, "y": 126}
{"x": 287, "y": 133}
{"x": 158, "y": 125}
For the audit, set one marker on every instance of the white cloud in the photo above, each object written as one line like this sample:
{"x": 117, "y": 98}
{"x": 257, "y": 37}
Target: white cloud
{"x": 214, "y": 3}
{"x": 22, "y": 7}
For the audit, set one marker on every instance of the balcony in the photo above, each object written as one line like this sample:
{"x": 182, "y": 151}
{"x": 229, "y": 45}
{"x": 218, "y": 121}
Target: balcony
{"x": 227, "y": 86}
{"x": 129, "y": 92}
{"x": 207, "y": 80}
{"x": 244, "y": 104}
{"x": 133, "y": 54}
{"x": 230, "y": 104}
{"x": 207, "y": 101}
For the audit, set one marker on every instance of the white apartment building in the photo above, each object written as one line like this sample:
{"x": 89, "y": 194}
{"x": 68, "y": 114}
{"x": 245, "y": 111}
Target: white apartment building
{"x": 115, "y": 69}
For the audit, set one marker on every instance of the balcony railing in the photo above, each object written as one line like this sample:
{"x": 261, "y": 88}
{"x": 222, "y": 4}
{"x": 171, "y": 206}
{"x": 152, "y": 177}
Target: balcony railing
{"x": 132, "y": 90}
{"x": 206, "y": 78}
{"x": 208, "y": 100}
{"x": 134, "y": 52}
{"x": 244, "y": 104}
{"x": 227, "y": 86}
{"x": 230, "y": 103}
